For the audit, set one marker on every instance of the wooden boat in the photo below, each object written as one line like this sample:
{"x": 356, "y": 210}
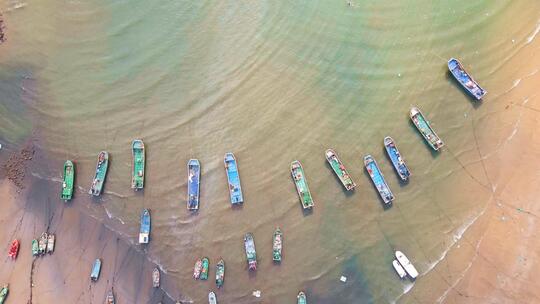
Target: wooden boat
{"x": 220, "y": 273}
{"x": 144, "y": 234}
{"x": 43, "y": 243}
{"x": 465, "y": 79}
{"x": 378, "y": 179}
{"x": 397, "y": 160}
{"x": 35, "y": 247}
{"x": 14, "y": 249}
{"x": 110, "y": 298}
{"x": 399, "y": 270}
{"x": 205, "y": 269}
{"x": 194, "y": 177}
{"x": 301, "y": 298}
{"x": 425, "y": 129}
{"x": 277, "y": 245}
{"x": 155, "y": 278}
{"x": 233, "y": 177}
{"x": 407, "y": 265}
{"x": 50, "y": 243}
{"x": 96, "y": 270}
{"x": 197, "y": 269}
{"x": 339, "y": 169}
{"x": 251, "y": 253}
{"x": 100, "y": 174}
{"x": 68, "y": 180}
{"x": 137, "y": 172}
{"x": 212, "y": 298}
{"x": 300, "y": 182}
{"x": 4, "y": 293}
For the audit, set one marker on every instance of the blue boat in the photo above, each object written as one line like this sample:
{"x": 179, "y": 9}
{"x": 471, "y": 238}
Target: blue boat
{"x": 378, "y": 179}
{"x": 96, "y": 269}
{"x": 466, "y": 81}
{"x": 233, "y": 177}
{"x": 144, "y": 234}
{"x": 397, "y": 160}
{"x": 194, "y": 178}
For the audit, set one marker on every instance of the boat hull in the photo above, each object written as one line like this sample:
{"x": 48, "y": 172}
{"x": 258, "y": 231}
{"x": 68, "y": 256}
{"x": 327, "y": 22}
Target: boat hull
{"x": 212, "y": 298}
{"x": 378, "y": 180}
{"x": 251, "y": 253}
{"x": 233, "y": 178}
{"x": 423, "y": 126}
{"x": 406, "y": 264}
{"x": 399, "y": 269}
{"x": 397, "y": 160}
{"x": 465, "y": 79}
{"x": 194, "y": 177}
{"x": 100, "y": 174}
{"x": 138, "y": 164}
{"x": 301, "y": 298}
{"x": 68, "y": 181}
{"x": 144, "y": 234}
{"x": 299, "y": 178}
{"x": 339, "y": 169}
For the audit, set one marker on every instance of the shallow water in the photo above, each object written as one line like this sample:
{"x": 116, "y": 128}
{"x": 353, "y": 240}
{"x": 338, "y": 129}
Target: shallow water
{"x": 272, "y": 82}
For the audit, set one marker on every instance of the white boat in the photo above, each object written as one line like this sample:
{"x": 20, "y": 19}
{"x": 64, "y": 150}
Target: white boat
{"x": 406, "y": 264}
{"x": 212, "y": 298}
{"x": 400, "y": 271}
{"x": 155, "y": 278}
{"x": 50, "y": 243}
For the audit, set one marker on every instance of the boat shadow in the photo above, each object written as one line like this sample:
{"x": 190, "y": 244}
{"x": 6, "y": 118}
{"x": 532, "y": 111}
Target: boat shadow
{"x": 306, "y": 211}
{"x": 381, "y": 201}
{"x": 237, "y": 206}
{"x": 476, "y": 103}
{"x": 434, "y": 154}
{"x": 345, "y": 191}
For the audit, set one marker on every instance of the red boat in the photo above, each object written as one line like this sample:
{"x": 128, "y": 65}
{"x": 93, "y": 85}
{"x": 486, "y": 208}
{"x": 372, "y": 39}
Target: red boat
{"x": 14, "y": 249}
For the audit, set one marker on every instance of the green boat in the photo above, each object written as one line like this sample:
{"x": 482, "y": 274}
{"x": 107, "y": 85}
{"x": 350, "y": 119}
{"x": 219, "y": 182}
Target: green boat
{"x": 4, "y": 293}
{"x": 137, "y": 174}
{"x": 299, "y": 178}
{"x": 204, "y": 270}
{"x": 339, "y": 169}
{"x": 302, "y": 298}
{"x": 422, "y": 124}
{"x": 100, "y": 174}
{"x": 277, "y": 244}
{"x": 220, "y": 273}
{"x": 35, "y": 247}
{"x": 67, "y": 184}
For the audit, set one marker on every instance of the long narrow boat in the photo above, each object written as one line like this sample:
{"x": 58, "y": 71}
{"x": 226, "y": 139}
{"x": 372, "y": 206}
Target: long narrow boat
{"x": 277, "y": 245}
{"x": 300, "y": 182}
{"x": 425, "y": 129}
{"x": 144, "y": 234}
{"x": 197, "y": 269}
{"x": 4, "y": 293}
{"x": 35, "y": 247}
{"x": 14, "y": 249}
{"x": 399, "y": 269}
{"x": 233, "y": 177}
{"x": 205, "y": 269}
{"x": 100, "y": 174}
{"x": 212, "y": 298}
{"x": 251, "y": 253}
{"x": 155, "y": 278}
{"x": 43, "y": 243}
{"x": 378, "y": 179}
{"x": 96, "y": 270}
{"x": 397, "y": 160}
{"x": 68, "y": 178}
{"x": 301, "y": 298}
{"x": 339, "y": 169}
{"x": 406, "y": 264}
{"x": 220, "y": 273}
{"x": 194, "y": 177}
{"x": 137, "y": 172}
{"x": 465, "y": 79}
{"x": 50, "y": 243}
{"x": 110, "y": 298}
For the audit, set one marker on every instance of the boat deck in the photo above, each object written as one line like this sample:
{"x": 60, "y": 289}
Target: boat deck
{"x": 235, "y": 189}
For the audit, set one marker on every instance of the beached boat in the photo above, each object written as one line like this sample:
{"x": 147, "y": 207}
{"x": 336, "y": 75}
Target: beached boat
{"x": 197, "y": 269}
{"x": 194, "y": 178}
{"x": 397, "y": 160}
{"x": 14, "y": 249}
{"x": 68, "y": 178}
{"x": 96, "y": 270}
{"x": 50, "y": 243}
{"x": 465, "y": 79}
{"x": 233, "y": 177}
{"x": 422, "y": 124}
{"x": 100, "y": 174}
{"x": 137, "y": 172}
{"x": 110, "y": 297}
{"x": 251, "y": 254}
{"x": 399, "y": 269}
{"x": 339, "y": 169}
{"x": 144, "y": 234}
{"x": 301, "y": 298}
{"x": 277, "y": 244}
{"x": 155, "y": 278}
{"x": 300, "y": 182}
{"x": 220, "y": 273}
{"x": 205, "y": 268}
{"x": 35, "y": 247}
{"x": 212, "y": 298}
{"x": 43, "y": 243}
{"x": 378, "y": 180}
{"x": 4, "y": 293}
{"x": 407, "y": 265}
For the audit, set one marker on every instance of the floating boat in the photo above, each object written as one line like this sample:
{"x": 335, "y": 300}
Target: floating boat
{"x": 339, "y": 169}
{"x": 155, "y": 277}
{"x": 137, "y": 174}
{"x": 4, "y": 293}
{"x": 43, "y": 243}
{"x": 220, "y": 273}
{"x": 406, "y": 264}
{"x": 301, "y": 298}
{"x": 251, "y": 254}
{"x": 205, "y": 269}
{"x": 14, "y": 249}
{"x": 96, "y": 270}
{"x": 110, "y": 298}
{"x": 235, "y": 190}
{"x": 50, "y": 243}
{"x": 197, "y": 269}
{"x": 101, "y": 173}
{"x": 68, "y": 178}
{"x": 400, "y": 271}
{"x": 194, "y": 178}
{"x": 144, "y": 234}
{"x": 277, "y": 244}
{"x": 300, "y": 182}
{"x": 465, "y": 79}
{"x": 212, "y": 298}
{"x": 378, "y": 179}
{"x": 425, "y": 129}
{"x": 35, "y": 247}
{"x": 398, "y": 162}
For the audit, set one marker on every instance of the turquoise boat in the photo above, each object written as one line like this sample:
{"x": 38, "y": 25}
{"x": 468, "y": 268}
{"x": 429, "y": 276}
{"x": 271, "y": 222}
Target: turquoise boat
{"x": 425, "y": 129}
{"x": 205, "y": 269}
{"x": 144, "y": 234}
{"x": 194, "y": 177}
{"x": 339, "y": 169}
{"x": 137, "y": 172}
{"x": 378, "y": 179}
{"x": 100, "y": 174}
{"x": 299, "y": 178}
{"x": 233, "y": 177}
{"x": 301, "y": 298}
{"x": 96, "y": 270}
